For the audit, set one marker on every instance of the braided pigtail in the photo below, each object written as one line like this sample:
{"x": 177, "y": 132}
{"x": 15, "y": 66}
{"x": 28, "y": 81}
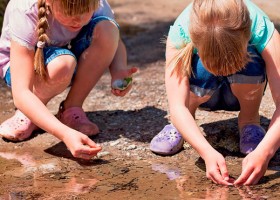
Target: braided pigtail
{"x": 42, "y": 39}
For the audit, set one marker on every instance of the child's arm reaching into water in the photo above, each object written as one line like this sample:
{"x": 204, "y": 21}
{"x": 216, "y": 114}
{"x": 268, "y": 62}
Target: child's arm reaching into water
{"x": 22, "y": 61}
{"x": 178, "y": 94}
{"x": 121, "y": 75}
{"x": 255, "y": 164}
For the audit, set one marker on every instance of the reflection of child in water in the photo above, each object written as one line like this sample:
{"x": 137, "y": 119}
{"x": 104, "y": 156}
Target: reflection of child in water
{"x": 220, "y": 55}
{"x": 30, "y": 165}
{"x": 215, "y": 192}
{"x": 189, "y": 190}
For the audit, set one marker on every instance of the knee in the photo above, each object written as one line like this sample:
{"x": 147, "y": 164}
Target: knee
{"x": 106, "y": 33}
{"x": 197, "y": 99}
{"x": 248, "y": 91}
{"x": 61, "y": 69}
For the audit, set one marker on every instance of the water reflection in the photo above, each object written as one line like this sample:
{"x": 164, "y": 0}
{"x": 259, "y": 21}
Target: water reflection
{"x": 171, "y": 172}
{"x": 216, "y": 192}
{"x": 193, "y": 185}
{"x": 26, "y": 176}
{"x": 47, "y": 175}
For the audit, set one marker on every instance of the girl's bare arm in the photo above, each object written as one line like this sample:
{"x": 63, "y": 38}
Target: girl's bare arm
{"x": 178, "y": 94}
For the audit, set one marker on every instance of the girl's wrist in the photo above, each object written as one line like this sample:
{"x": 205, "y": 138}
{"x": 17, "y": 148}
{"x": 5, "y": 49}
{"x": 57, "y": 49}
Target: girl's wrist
{"x": 60, "y": 131}
{"x": 206, "y": 152}
{"x": 266, "y": 151}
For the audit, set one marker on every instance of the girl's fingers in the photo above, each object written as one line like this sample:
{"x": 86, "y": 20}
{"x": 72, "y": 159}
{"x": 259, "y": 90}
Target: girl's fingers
{"x": 219, "y": 179}
{"x": 133, "y": 70}
{"x": 221, "y": 176}
{"x": 90, "y": 143}
{"x": 130, "y": 71}
{"x": 121, "y": 93}
{"x": 90, "y": 148}
{"x": 224, "y": 171}
{"x": 88, "y": 152}
{"x": 244, "y": 176}
{"x": 253, "y": 179}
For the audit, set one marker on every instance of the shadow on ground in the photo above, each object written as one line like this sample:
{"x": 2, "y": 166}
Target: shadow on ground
{"x": 138, "y": 125}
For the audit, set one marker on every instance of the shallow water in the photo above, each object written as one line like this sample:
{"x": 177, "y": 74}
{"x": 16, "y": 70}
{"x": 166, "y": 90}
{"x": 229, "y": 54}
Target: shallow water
{"x": 31, "y": 175}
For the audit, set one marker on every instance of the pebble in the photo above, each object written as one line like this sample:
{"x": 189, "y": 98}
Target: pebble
{"x": 114, "y": 143}
{"x": 102, "y": 154}
{"x": 131, "y": 147}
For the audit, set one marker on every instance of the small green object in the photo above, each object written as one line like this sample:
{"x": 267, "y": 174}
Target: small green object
{"x": 122, "y": 84}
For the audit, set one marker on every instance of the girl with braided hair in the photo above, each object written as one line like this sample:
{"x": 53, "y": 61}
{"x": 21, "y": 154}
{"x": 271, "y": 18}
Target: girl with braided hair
{"x": 219, "y": 56}
{"x": 45, "y": 46}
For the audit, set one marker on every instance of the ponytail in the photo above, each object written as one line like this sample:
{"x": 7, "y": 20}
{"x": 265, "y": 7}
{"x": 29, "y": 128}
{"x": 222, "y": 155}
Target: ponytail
{"x": 182, "y": 62}
{"x": 42, "y": 39}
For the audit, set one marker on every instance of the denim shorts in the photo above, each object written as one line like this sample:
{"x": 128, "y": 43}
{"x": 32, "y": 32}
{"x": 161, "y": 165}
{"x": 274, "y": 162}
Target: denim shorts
{"x": 218, "y": 87}
{"x": 78, "y": 45}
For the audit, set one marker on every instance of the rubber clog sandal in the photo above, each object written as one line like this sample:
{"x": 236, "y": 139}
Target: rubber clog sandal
{"x": 167, "y": 142}
{"x": 17, "y": 128}
{"x": 250, "y": 137}
{"x": 75, "y": 118}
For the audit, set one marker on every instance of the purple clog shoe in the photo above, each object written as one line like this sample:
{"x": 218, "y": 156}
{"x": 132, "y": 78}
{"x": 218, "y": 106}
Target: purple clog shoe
{"x": 250, "y": 137}
{"x": 167, "y": 142}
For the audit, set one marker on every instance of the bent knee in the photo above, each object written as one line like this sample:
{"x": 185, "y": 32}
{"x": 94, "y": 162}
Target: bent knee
{"x": 106, "y": 32}
{"x": 198, "y": 99}
{"x": 248, "y": 91}
{"x": 61, "y": 68}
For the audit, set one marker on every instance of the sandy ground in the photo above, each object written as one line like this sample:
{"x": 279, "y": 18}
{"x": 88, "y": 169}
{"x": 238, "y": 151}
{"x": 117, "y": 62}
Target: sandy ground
{"x": 42, "y": 168}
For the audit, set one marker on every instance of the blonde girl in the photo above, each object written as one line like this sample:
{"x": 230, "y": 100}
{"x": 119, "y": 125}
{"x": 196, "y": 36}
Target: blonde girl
{"x": 220, "y": 55}
{"x": 45, "y": 46}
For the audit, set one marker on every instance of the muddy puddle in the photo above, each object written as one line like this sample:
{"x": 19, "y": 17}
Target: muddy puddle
{"x": 31, "y": 174}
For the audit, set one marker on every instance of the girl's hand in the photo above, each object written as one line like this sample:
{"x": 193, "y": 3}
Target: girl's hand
{"x": 81, "y": 146}
{"x": 254, "y": 166}
{"x": 216, "y": 169}
{"x": 122, "y": 81}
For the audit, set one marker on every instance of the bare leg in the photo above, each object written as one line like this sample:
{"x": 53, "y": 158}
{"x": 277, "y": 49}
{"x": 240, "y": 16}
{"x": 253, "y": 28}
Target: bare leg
{"x": 93, "y": 62}
{"x": 249, "y": 97}
{"x": 195, "y": 101}
{"x": 60, "y": 72}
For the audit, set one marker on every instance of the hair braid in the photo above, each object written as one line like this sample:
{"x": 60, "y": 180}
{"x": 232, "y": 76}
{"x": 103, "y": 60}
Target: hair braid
{"x": 42, "y": 27}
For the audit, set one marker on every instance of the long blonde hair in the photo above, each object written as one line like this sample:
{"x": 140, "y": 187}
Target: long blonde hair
{"x": 220, "y": 30}
{"x": 68, "y": 8}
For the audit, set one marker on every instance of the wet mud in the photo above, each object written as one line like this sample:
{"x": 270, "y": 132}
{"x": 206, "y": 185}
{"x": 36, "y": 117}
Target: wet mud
{"x": 27, "y": 173}
{"x": 42, "y": 167}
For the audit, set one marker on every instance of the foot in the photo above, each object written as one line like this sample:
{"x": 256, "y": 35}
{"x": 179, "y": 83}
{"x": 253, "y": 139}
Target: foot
{"x": 250, "y": 137}
{"x": 167, "y": 142}
{"x": 75, "y": 118}
{"x": 17, "y": 128}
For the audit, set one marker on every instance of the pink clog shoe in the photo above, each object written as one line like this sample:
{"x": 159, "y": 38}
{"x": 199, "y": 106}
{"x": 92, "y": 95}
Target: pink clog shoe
{"x": 17, "y": 128}
{"x": 75, "y": 118}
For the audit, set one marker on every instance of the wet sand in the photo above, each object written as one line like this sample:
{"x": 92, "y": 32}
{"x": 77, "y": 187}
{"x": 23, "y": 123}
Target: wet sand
{"x": 42, "y": 167}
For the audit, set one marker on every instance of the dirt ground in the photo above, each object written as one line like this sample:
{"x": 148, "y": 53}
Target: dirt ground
{"x": 42, "y": 168}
